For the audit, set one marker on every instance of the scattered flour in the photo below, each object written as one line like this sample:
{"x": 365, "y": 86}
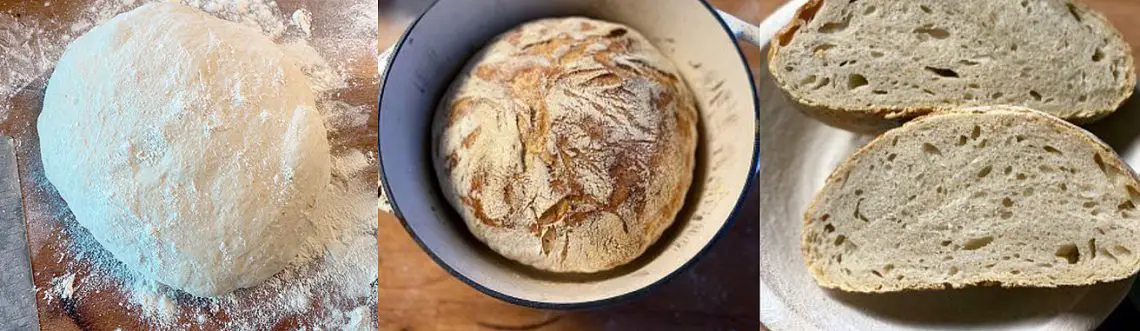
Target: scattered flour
{"x": 63, "y": 287}
{"x": 339, "y": 114}
{"x": 336, "y": 274}
{"x": 303, "y": 19}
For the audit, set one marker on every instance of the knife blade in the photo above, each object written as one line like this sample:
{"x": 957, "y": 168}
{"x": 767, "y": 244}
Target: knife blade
{"x": 17, "y": 293}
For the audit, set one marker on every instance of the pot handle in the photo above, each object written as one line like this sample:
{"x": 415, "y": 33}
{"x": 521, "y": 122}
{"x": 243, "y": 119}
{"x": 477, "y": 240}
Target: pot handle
{"x": 743, "y": 30}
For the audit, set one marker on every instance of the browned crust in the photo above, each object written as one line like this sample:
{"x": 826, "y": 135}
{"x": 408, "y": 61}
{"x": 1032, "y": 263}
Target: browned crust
{"x": 644, "y": 200}
{"x": 844, "y": 169}
{"x": 876, "y": 120}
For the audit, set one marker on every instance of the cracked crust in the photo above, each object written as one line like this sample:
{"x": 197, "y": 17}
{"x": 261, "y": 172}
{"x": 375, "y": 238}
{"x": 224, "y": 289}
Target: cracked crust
{"x": 567, "y": 144}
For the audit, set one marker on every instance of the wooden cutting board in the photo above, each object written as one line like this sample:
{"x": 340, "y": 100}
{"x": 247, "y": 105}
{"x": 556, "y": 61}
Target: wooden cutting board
{"x": 47, "y": 217}
{"x": 720, "y": 292}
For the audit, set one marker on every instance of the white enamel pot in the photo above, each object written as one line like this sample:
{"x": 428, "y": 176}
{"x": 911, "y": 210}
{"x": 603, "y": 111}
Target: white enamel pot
{"x": 701, "y": 42}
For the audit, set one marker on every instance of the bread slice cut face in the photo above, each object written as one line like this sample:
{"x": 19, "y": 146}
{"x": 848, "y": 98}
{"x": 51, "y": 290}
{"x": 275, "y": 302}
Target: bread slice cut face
{"x": 870, "y": 65}
{"x": 993, "y": 195}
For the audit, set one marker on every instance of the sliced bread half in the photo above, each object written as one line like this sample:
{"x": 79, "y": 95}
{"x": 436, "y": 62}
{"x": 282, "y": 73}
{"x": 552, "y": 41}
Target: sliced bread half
{"x": 870, "y": 65}
{"x": 993, "y": 195}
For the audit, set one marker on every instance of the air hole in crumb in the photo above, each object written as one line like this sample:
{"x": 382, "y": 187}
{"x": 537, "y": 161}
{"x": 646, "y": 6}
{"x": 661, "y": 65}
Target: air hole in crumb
{"x": 1083, "y": 98}
{"x": 1035, "y": 95}
{"x": 879, "y": 92}
{"x": 891, "y": 157}
{"x": 935, "y": 33}
{"x": 869, "y": 10}
{"x": 876, "y": 273}
{"x": 1007, "y": 202}
{"x": 840, "y": 239}
{"x": 1015, "y": 272}
{"x": 1005, "y": 214}
{"x": 976, "y": 132}
{"x": 1100, "y": 163}
{"x": 1073, "y": 11}
{"x": 929, "y": 148}
{"x": 1098, "y": 55}
{"x": 942, "y": 72}
{"x": 1126, "y": 205}
{"x": 1021, "y": 176}
{"x": 833, "y": 27}
{"x": 985, "y": 171}
{"x": 1064, "y": 187}
{"x": 968, "y": 62}
{"x": 945, "y": 243}
{"x": 828, "y": 228}
{"x": 858, "y": 192}
{"x": 977, "y": 243}
{"x": 1121, "y": 250}
{"x": 973, "y": 85}
{"x": 808, "y": 80}
{"x": 826, "y": 81}
{"x": 877, "y": 54}
{"x": 1069, "y": 252}
{"x": 925, "y": 9}
{"x": 855, "y": 81}
{"x": 997, "y": 95}
{"x": 961, "y": 141}
{"x": 1092, "y": 247}
{"x": 1050, "y": 149}
{"x": 1007, "y": 170}
{"x": 1013, "y": 47}
{"x": 822, "y": 48}
{"x": 928, "y": 92}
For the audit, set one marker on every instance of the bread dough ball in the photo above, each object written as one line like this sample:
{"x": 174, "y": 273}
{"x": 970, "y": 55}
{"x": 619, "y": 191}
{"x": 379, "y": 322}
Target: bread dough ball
{"x": 567, "y": 144}
{"x": 187, "y": 145}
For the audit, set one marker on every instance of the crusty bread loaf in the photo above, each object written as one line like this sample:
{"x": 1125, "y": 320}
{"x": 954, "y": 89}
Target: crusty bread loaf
{"x": 870, "y": 65}
{"x": 994, "y": 195}
{"x": 567, "y": 144}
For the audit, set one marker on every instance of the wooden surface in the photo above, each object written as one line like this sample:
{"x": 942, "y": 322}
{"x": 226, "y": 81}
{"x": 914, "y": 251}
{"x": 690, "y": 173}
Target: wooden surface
{"x": 48, "y": 219}
{"x": 720, "y": 292}
{"x": 1121, "y": 13}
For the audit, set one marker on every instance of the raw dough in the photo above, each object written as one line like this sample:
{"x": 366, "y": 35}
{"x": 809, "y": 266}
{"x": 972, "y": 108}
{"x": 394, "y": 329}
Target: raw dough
{"x": 189, "y": 147}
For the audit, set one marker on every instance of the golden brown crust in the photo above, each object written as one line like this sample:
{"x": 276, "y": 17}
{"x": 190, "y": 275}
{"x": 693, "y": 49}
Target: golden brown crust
{"x": 568, "y": 144}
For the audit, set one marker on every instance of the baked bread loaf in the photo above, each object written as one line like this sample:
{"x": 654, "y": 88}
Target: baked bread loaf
{"x": 870, "y": 65}
{"x": 993, "y": 195}
{"x": 567, "y": 144}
